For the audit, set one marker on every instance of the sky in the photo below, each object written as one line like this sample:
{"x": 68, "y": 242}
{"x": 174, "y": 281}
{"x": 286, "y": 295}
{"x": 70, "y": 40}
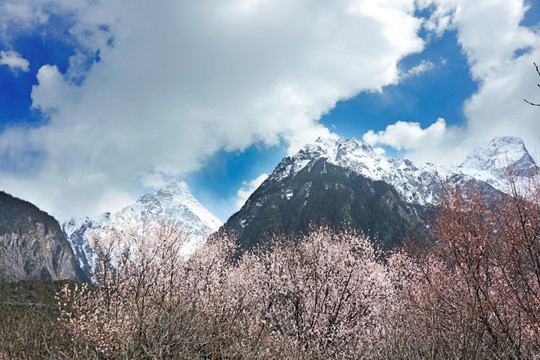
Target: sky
{"x": 102, "y": 101}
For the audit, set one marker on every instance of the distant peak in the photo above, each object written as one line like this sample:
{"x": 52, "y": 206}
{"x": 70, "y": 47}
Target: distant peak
{"x": 333, "y": 142}
{"x": 175, "y": 186}
{"x": 327, "y": 139}
{"x": 507, "y": 140}
{"x": 504, "y": 144}
{"x": 168, "y": 192}
{"x": 499, "y": 153}
{"x": 347, "y": 153}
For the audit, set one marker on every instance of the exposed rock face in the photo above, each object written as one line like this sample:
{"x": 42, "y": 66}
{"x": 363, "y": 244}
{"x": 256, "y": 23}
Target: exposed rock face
{"x": 32, "y": 245}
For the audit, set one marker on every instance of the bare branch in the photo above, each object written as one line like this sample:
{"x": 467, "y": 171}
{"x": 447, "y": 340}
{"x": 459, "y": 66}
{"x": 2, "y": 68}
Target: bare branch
{"x": 531, "y": 103}
{"x": 538, "y": 72}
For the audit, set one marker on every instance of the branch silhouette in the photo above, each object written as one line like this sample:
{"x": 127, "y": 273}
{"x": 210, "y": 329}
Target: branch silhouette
{"x": 527, "y": 101}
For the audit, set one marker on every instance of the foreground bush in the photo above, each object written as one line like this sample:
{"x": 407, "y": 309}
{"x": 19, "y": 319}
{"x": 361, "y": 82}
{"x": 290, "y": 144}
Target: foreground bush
{"x": 140, "y": 308}
{"x": 320, "y": 296}
{"x": 28, "y": 322}
{"x": 476, "y": 294}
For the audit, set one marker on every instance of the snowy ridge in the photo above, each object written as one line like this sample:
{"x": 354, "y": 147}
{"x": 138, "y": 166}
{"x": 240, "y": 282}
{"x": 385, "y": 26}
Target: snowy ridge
{"x": 174, "y": 201}
{"x": 416, "y": 183}
{"x": 171, "y": 202}
{"x": 488, "y": 162}
{"x": 498, "y": 153}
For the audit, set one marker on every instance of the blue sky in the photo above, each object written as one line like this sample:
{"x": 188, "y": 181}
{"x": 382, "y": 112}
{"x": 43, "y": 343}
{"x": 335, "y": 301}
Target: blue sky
{"x": 102, "y": 101}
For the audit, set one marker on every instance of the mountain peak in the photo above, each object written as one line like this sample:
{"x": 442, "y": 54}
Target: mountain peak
{"x": 348, "y": 153}
{"x": 173, "y": 202}
{"x": 171, "y": 192}
{"x": 499, "y": 154}
{"x": 172, "y": 187}
{"x": 175, "y": 186}
{"x": 417, "y": 183}
{"x": 331, "y": 145}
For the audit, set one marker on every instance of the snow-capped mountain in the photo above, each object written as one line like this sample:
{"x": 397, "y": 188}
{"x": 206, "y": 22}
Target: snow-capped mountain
{"x": 416, "y": 183}
{"x": 499, "y": 153}
{"x": 171, "y": 202}
{"x": 491, "y": 162}
{"x": 337, "y": 179}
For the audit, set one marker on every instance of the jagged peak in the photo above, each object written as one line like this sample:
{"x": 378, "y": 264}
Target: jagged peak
{"x": 500, "y": 153}
{"x": 416, "y": 182}
{"x": 173, "y": 202}
{"x": 351, "y": 154}
{"x": 172, "y": 187}
{"x": 175, "y": 198}
{"x": 173, "y": 191}
{"x": 331, "y": 142}
{"x": 175, "y": 186}
{"x": 333, "y": 148}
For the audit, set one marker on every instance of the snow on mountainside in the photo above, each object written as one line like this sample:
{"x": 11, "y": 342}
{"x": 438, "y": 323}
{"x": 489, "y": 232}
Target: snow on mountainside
{"x": 488, "y": 162}
{"x": 498, "y": 153}
{"x": 417, "y": 184}
{"x": 171, "y": 202}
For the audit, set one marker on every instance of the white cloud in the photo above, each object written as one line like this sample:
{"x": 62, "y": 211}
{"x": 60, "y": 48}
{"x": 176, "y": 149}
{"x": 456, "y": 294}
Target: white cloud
{"x": 51, "y": 85}
{"x": 379, "y": 150}
{"x": 248, "y": 187}
{"x": 489, "y": 34}
{"x": 498, "y": 108}
{"x": 422, "y": 67}
{"x": 432, "y": 144}
{"x": 440, "y": 18}
{"x": 24, "y": 13}
{"x": 406, "y": 135}
{"x": 14, "y": 60}
{"x": 180, "y": 80}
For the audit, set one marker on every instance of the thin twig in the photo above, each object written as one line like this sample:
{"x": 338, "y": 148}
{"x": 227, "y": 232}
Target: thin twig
{"x": 538, "y": 72}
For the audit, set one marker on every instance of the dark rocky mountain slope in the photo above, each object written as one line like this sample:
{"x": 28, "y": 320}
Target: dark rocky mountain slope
{"x": 32, "y": 244}
{"x": 325, "y": 194}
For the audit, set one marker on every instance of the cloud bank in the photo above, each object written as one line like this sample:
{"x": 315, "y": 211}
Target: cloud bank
{"x": 154, "y": 88}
